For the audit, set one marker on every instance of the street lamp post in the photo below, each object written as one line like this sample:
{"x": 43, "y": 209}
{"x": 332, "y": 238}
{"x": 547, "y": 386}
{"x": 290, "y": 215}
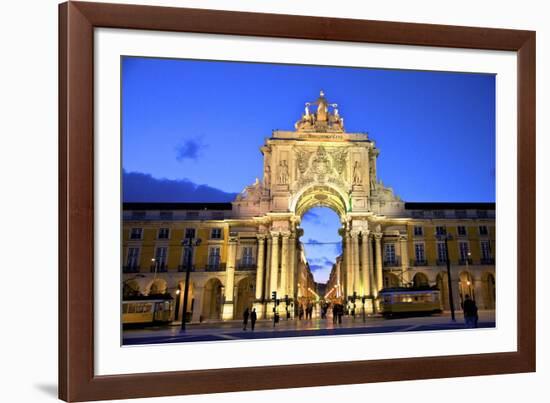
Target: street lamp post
{"x": 188, "y": 244}
{"x": 449, "y": 281}
{"x": 155, "y": 268}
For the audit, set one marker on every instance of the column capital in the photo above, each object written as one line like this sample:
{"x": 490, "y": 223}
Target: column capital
{"x": 274, "y": 234}
{"x": 354, "y": 233}
{"x": 377, "y": 236}
{"x": 365, "y": 233}
{"x": 285, "y": 235}
{"x": 261, "y": 237}
{"x": 403, "y": 237}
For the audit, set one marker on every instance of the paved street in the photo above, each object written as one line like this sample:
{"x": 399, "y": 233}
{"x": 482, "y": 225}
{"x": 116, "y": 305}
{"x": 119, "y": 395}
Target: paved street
{"x": 232, "y": 330}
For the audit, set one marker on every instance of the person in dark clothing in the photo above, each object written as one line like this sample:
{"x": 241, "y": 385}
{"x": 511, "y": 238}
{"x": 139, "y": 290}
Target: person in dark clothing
{"x": 253, "y": 318}
{"x": 246, "y": 314}
{"x": 470, "y": 312}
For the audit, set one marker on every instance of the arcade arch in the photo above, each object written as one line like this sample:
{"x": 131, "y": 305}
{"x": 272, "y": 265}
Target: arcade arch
{"x": 212, "y": 299}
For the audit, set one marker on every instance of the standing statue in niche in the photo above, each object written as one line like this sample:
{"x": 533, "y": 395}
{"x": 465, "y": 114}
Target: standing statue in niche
{"x": 267, "y": 176}
{"x": 356, "y": 173}
{"x": 283, "y": 173}
{"x": 372, "y": 174}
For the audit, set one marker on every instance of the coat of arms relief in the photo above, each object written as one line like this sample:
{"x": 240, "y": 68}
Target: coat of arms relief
{"x": 320, "y": 166}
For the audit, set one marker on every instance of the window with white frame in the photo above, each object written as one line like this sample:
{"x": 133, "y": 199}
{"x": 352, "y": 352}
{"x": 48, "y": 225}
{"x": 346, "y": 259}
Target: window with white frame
{"x": 247, "y": 258}
{"x": 161, "y": 255}
{"x": 483, "y": 230}
{"x": 441, "y": 252}
{"x": 389, "y": 253}
{"x": 418, "y": 230}
{"x": 216, "y": 233}
{"x": 419, "y": 252}
{"x": 485, "y": 250}
{"x": 214, "y": 254}
{"x": 132, "y": 259}
{"x": 164, "y": 233}
{"x": 440, "y": 230}
{"x": 464, "y": 250}
{"x": 136, "y": 233}
{"x": 461, "y": 230}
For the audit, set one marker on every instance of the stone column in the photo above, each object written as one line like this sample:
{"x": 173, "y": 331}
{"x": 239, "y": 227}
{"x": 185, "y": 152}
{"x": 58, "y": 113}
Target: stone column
{"x": 406, "y": 274}
{"x": 274, "y": 277}
{"x": 283, "y": 290}
{"x": 260, "y": 268}
{"x": 373, "y": 287}
{"x": 378, "y": 251}
{"x": 348, "y": 265}
{"x": 292, "y": 266}
{"x": 230, "y": 279}
{"x": 198, "y": 292}
{"x": 365, "y": 263}
{"x": 355, "y": 262}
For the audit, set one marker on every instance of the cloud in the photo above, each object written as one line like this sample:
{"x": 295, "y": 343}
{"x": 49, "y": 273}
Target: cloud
{"x": 190, "y": 149}
{"x": 311, "y": 217}
{"x": 141, "y": 187}
{"x": 312, "y": 241}
{"x": 321, "y": 261}
{"x": 316, "y": 267}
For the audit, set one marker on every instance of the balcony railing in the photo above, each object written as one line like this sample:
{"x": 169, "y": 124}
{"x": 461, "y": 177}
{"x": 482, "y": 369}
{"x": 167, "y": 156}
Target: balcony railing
{"x": 464, "y": 262}
{"x": 183, "y": 267}
{"x": 246, "y": 265}
{"x": 215, "y": 267}
{"x": 159, "y": 268}
{"x": 134, "y": 268}
{"x": 487, "y": 260}
{"x": 391, "y": 262}
{"x": 422, "y": 262}
{"x": 440, "y": 262}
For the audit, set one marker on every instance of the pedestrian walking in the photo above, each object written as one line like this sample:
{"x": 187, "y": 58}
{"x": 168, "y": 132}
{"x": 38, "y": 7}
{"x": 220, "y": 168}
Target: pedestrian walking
{"x": 253, "y": 318}
{"x": 246, "y": 313}
{"x": 470, "y": 312}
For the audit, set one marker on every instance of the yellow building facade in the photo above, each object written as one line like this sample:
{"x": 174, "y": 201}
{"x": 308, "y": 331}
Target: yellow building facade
{"x": 250, "y": 248}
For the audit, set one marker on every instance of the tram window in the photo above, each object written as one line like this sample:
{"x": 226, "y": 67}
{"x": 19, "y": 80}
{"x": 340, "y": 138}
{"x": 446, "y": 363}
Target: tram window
{"x": 124, "y": 308}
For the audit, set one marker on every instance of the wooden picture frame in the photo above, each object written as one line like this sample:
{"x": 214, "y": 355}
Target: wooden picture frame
{"x": 77, "y": 21}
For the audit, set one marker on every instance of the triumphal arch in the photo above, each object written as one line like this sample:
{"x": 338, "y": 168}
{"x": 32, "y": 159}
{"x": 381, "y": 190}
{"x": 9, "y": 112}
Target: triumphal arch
{"x": 318, "y": 164}
{"x": 251, "y": 247}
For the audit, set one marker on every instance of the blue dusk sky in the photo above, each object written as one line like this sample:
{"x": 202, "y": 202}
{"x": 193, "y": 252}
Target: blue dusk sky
{"x": 192, "y": 130}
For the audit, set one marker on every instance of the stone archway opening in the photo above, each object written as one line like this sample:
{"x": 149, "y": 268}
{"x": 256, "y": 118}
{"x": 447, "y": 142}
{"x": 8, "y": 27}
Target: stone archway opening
{"x": 157, "y": 287}
{"x": 244, "y": 296}
{"x": 212, "y": 300}
{"x": 320, "y": 196}
{"x": 466, "y": 287}
{"x": 320, "y": 226}
{"x": 420, "y": 280}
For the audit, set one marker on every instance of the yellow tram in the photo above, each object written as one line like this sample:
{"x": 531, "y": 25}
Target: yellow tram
{"x": 409, "y": 301}
{"x": 147, "y": 310}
